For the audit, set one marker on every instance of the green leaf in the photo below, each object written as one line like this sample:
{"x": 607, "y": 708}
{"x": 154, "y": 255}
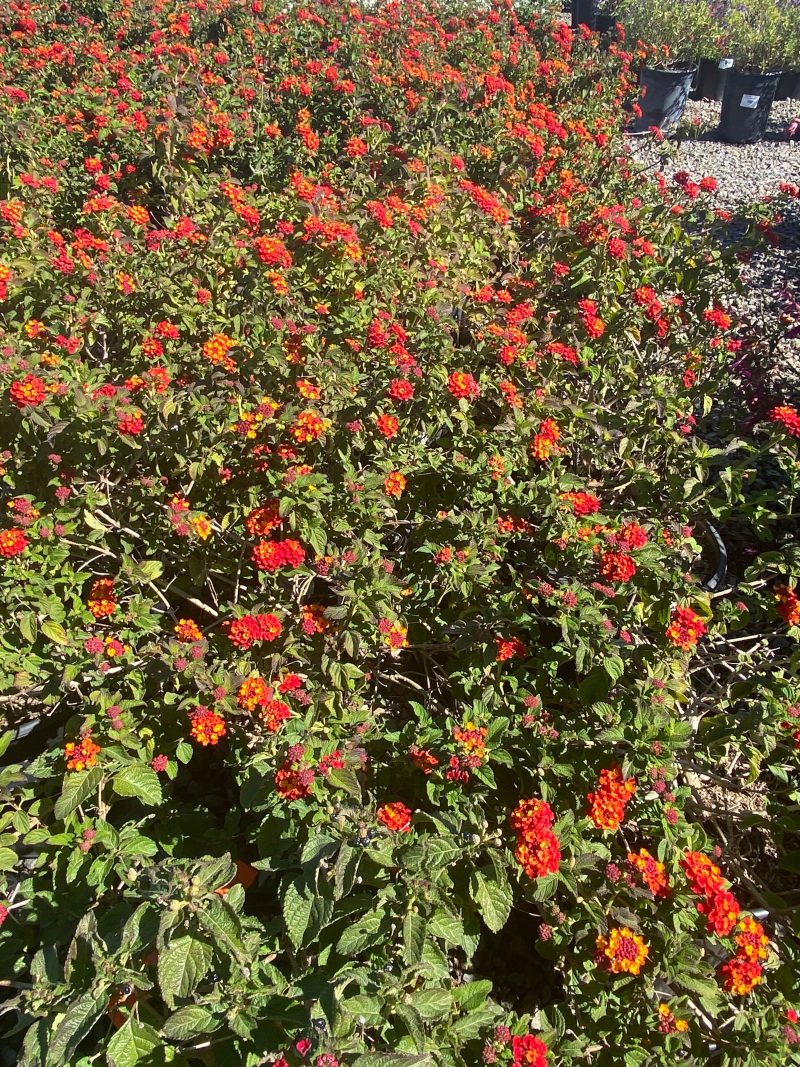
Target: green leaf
{"x": 393, "y": 1059}
{"x": 183, "y": 964}
{"x": 413, "y": 937}
{"x": 8, "y": 858}
{"x": 413, "y": 1023}
{"x": 55, "y": 631}
{"x": 77, "y": 788}
{"x": 432, "y": 1003}
{"x": 140, "y": 781}
{"x": 189, "y": 1022}
{"x": 133, "y": 1043}
{"x": 297, "y": 904}
{"x": 80, "y": 1017}
{"x": 493, "y": 899}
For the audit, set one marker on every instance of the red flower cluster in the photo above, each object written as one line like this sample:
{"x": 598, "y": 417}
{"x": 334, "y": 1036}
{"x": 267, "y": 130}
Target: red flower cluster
{"x": 653, "y": 873}
{"x": 244, "y": 632}
{"x": 718, "y": 904}
{"x": 537, "y": 849}
{"x": 12, "y": 543}
{"x": 788, "y": 605}
{"x": 272, "y": 555}
{"x": 617, "y": 567}
{"x": 508, "y": 647}
{"x": 396, "y": 817}
{"x": 545, "y": 442}
{"x": 463, "y": 385}
{"x": 582, "y": 503}
{"x": 528, "y": 1051}
{"x": 788, "y": 417}
{"x": 607, "y": 804}
{"x": 30, "y": 392}
{"x": 685, "y": 628}
{"x": 101, "y": 601}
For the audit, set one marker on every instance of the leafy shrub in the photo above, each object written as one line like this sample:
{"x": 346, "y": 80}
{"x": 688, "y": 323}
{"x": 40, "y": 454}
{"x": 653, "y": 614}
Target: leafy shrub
{"x": 352, "y": 564}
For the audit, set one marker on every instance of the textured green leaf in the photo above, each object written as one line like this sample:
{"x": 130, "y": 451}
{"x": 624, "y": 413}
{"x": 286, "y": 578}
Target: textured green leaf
{"x": 139, "y": 781}
{"x": 393, "y": 1059}
{"x": 55, "y": 631}
{"x": 493, "y": 899}
{"x": 77, "y": 788}
{"x": 132, "y": 1044}
{"x": 298, "y": 902}
{"x": 189, "y": 1022}
{"x": 183, "y": 964}
{"x": 80, "y": 1017}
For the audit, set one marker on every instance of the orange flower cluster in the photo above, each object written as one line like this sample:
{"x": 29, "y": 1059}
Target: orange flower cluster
{"x": 395, "y": 635}
{"x": 743, "y": 971}
{"x": 653, "y": 873}
{"x": 545, "y": 442}
{"x": 617, "y": 567}
{"x": 30, "y": 392}
{"x": 668, "y": 1024}
{"x": 685, "y": 628}
{"x": 395, "y": 817}
{"x": 206, "y": 726}
{"x": 216, "y": 350}
{"x": 272, "y": 555}
{"x": 82, "y": 755}
{"x": 622, "y": 952}
{"x": 718, "y": 904}
{"x": 244, "y": 632}
{"x": 101, "y": 601}
{"x": 394, "y": 484}
{"x": 472, "y": 737}
{"x": 308, "y": 426}
{"x": 12, "y": 543}
{"x": 788, "y": 417}
{"x": 537, "y": 848}
{"x": 263, "y": 519}
{"x": 788, "y": 605}
{"x": 607, "y": 804}
{"x": 463, "y": 385}
{"x": 313, "y": 619}
{"x": 254, "y": 693}
{"x": 582, "y": 503}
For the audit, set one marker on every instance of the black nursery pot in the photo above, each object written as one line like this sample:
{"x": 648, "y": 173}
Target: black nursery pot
{"x": 788, "y": 86}
{"x": 712, "y": 75}
{"x": 584, "y": 13}
{"x": 746, "y": 106}
{"x": 663, "y": 97}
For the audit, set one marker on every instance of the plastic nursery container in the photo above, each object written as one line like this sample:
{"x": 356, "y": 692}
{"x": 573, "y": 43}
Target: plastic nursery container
{"x": 663, "y": 98}
{"x": 788, "y": 86}
{"x": 584, "y": 13}
{"x": 746, "y": 106}
{"x": 712, "y": 74}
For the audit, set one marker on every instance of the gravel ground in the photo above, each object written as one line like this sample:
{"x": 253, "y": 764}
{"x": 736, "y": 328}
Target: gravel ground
{"x": 746, "y": 173}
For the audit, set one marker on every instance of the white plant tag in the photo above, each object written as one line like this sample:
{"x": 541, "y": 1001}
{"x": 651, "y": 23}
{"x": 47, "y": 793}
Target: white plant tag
{"x": 750, "y": 101}
{"x": 725, "y": 64}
